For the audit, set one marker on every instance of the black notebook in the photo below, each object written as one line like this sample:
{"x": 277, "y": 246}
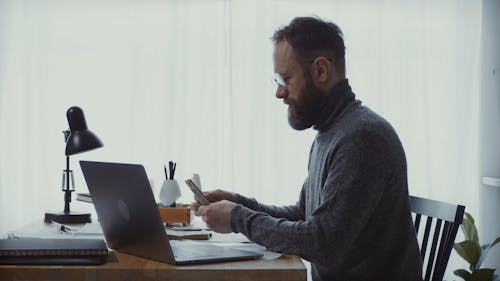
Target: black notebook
{"x": 53, "y": 251}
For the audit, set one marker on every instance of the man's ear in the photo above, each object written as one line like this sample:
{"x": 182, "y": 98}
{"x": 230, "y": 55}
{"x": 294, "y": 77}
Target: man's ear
{"x": 322, "y": 69}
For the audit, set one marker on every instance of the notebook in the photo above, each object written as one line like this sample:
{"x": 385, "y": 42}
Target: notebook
{"x": 53, "y": 251}
{"x": 131, "y": 222}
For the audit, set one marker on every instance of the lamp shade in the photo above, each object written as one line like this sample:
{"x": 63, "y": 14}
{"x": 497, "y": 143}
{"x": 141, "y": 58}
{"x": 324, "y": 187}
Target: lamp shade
{"x": 81, "y": 138}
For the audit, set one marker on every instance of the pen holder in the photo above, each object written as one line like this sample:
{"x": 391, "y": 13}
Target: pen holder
{"x": 169, "y": 192}
{"x": 180, "y": 214}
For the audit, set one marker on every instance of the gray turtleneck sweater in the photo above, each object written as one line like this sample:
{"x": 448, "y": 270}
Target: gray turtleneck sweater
{"x": 352, "y": 220}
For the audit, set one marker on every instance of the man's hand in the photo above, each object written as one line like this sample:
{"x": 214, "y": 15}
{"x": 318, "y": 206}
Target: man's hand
{"x": 217, "y": 215}
{"x": 219, "y": 195}
{"x": 215, "y": 196}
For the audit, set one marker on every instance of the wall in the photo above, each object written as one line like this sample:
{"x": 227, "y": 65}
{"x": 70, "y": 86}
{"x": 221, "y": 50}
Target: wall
{"x": 489, "y": 219}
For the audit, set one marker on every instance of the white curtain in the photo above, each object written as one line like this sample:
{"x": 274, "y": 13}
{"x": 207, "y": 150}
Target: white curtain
{"x": 189, "y": 81}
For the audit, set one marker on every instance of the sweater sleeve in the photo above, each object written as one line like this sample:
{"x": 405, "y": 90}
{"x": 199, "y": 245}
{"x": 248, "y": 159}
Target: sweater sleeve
{"x": 292, "y": 212}
{"x": 357, "y": 174}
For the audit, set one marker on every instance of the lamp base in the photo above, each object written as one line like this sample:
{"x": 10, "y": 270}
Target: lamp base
{"x": 72, "y": 217}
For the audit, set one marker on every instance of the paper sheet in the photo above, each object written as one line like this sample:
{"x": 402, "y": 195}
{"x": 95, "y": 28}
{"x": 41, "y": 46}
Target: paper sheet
{"x": 253, "y": 247}
{"x": 53, "y": 231}
{"x": 229, "y": 238}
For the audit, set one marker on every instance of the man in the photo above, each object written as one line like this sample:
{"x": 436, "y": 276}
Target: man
{"x": 352, "y": 220}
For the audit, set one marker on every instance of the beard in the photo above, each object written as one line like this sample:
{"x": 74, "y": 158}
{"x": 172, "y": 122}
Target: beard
{"x": 302, "y": 114}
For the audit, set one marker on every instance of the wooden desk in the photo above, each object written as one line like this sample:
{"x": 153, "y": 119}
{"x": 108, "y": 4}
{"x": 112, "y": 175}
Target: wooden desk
{"x": 122, "y": 266}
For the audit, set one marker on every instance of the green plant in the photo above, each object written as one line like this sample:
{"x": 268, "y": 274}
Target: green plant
{"x": 474, "y": 253}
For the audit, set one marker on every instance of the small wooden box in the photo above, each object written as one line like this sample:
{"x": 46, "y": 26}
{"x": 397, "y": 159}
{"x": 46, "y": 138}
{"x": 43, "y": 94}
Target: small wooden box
{"x": 179, "y": 214}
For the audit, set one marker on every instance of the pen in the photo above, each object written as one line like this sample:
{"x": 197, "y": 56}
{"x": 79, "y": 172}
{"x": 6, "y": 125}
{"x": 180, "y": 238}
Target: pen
{"x": 171, "y": 166}
{"x": 165, "y": 167}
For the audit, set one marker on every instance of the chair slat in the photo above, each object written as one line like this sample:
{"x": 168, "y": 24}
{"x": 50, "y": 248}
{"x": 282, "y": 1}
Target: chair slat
{"x": 435, "y": 238}
{"x": 459, "y": 216}
{"x": 423, "y": 249}
{"x": 417, "y": 222}
{"x": 445, "y": 237}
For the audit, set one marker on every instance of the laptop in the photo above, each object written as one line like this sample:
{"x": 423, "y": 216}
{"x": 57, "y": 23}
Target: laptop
{"x": 131, "y": 222}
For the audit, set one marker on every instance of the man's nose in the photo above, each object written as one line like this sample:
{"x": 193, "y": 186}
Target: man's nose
{"x": 281, "y": 92}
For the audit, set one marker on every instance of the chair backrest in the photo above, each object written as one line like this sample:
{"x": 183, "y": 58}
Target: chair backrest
{"x": 435, "y": 259}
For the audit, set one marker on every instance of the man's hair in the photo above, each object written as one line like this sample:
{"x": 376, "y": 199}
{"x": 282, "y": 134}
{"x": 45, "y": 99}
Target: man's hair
{"x": 311, "y": 37}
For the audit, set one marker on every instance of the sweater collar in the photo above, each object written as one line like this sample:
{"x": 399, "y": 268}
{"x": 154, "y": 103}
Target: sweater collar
{"x": 333, "y": 104}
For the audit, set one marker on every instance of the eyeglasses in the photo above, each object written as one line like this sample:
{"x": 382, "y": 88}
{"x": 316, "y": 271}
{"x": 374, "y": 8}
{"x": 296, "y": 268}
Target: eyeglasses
{"x": 278, "y": 80}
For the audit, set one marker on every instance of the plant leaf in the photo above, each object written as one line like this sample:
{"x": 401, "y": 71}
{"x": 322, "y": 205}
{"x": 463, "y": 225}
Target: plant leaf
{"x": 469, "y": 251}
{"x": 464, "y": 274}
{"x": 469, "y": 229}
{"x": 494, "y": 242}
{"x": 483, "y": 274}
{"x": 469, "y": 217}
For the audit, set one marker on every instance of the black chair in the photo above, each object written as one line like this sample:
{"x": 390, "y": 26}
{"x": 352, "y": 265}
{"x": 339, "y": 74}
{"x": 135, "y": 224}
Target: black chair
{"x": 443, "y": 236}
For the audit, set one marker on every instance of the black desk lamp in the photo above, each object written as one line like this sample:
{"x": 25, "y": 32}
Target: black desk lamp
{"x": 78, "y": 139}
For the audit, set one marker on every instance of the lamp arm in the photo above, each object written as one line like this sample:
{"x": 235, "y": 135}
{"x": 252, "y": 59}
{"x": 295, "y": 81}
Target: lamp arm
{"x": 67, "y": 192}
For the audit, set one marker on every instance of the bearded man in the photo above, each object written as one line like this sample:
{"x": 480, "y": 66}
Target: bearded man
{"x": 352, "y": 220}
